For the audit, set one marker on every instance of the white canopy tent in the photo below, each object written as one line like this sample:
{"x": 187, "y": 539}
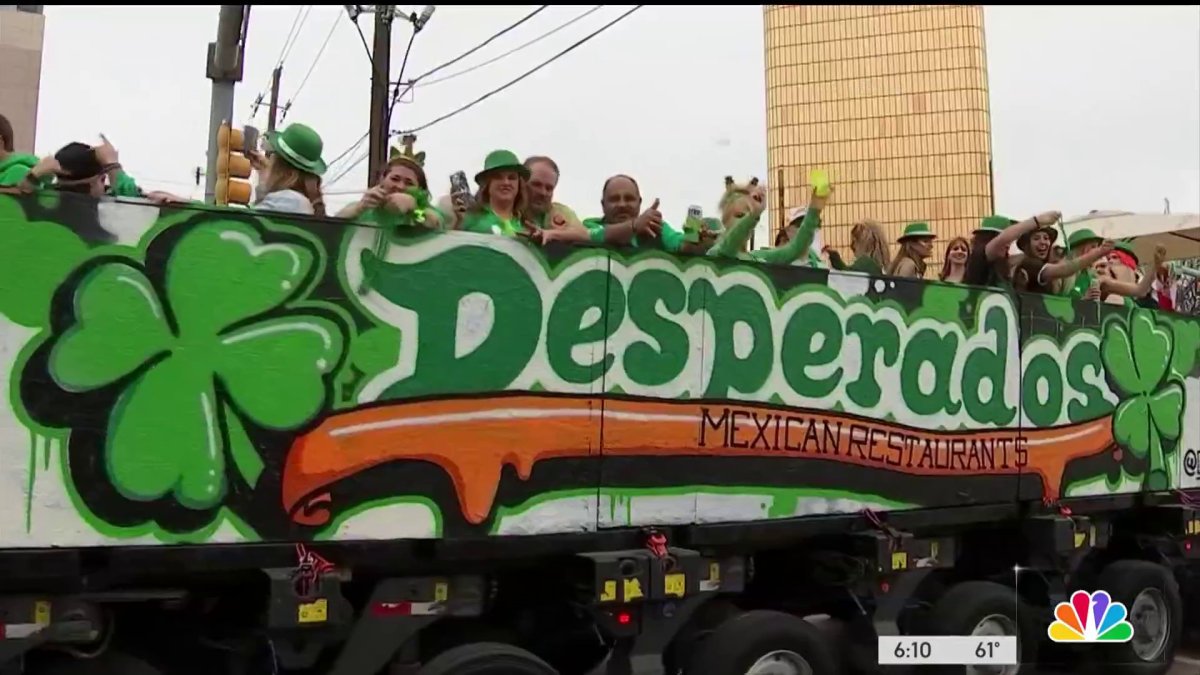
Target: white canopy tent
{"x": 1178, "y": 233}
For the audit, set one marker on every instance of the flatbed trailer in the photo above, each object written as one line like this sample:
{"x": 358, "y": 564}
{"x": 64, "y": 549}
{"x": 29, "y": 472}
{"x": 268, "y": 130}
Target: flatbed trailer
{"x": 246, "y": 443}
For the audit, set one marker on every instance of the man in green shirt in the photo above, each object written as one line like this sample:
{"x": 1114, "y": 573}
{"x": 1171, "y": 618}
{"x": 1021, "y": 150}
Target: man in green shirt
{"x": 13, "y": 165}
{"x": 625, "y": 224}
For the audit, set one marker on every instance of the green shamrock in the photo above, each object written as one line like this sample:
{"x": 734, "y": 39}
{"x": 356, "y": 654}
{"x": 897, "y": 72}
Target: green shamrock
{"x": 38, "y": 257}
{"x": 1137, "y": 361}
{"x": 212, "y": 343}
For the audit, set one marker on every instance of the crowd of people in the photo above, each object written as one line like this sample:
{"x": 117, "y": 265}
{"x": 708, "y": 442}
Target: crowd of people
{"x": 515, "y": 198}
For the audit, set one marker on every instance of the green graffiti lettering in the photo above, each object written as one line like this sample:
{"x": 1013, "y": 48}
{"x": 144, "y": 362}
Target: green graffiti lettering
{"x": 927, "y": 347}
{"x": 740, "y": 323}
{"x": 813, "y": 337}
{"x": 877, "y": 338}
{"x": 595, "y": 297}
{"x": 1042, "y": 410}
{"x": 1085, "y": 356}
{"x": 457, "y": 274}
{"x": 643, "y": 362}
{"x": 986, "y": 365}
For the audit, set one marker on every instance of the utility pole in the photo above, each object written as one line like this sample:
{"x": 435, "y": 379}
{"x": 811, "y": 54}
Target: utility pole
{"x": 381, "y": 58}
{"x": 272, "y": 116}
{"x": 225, "y": 70}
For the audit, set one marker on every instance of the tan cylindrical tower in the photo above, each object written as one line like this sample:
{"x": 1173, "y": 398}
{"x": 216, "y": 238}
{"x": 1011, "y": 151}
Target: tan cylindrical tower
{"x": 893, "y": 102}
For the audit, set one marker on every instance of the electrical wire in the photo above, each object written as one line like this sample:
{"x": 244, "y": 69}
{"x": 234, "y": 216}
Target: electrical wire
{"x": 397, "y": 94}
{"x": 288, "y": 41}
{"x": 526, "y": 74}
{"x": 328, "y": 36}
{"x": 512, "y": 51}
{"x": 493, "y": 92}
{"x": 479, "y": 46}
{"x": 287, "y": 47}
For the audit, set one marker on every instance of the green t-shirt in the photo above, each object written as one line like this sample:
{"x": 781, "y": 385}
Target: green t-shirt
{"x": 731, "y": 241}
{"x": 15, "y": 167}
{"x": 387, "y": 218}
{"x": 487, "y": 222}
{"x": 1083, "y": 281}
{"x": 669, "y": 239}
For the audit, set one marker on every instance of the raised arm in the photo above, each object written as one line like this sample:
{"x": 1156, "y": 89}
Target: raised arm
{"x": 998, "y": 247}
{"x": 1070, "y": 266}
{"x": 730, "y": 243}
{"x": 1141, "y": 288}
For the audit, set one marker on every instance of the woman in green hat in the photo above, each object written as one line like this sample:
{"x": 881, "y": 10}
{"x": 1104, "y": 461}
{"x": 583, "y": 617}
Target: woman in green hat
{"x": 1033, "y": 273}
{"x": 290, "y": 175}
{"x": 916, "y": 245}
{"x": 502, "y": 201}
{"x": 1080, "y": 243}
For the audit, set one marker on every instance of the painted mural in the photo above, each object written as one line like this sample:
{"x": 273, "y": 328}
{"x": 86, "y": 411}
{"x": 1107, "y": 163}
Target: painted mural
{"x": 205, "y": 375}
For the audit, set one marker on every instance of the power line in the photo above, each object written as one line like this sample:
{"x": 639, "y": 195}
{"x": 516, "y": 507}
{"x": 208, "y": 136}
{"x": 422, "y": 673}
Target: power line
{"x": 479, "y": 46}
{"x": 514, "y": 50}
{"x": 328, "y": 36}
{"x": 526, "y": 74}
{"x": 397, "y": 94}
{"x": 287, "y": 47}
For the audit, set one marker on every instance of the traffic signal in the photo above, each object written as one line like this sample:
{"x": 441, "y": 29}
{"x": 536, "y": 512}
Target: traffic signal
{"x": 233, "y": 165}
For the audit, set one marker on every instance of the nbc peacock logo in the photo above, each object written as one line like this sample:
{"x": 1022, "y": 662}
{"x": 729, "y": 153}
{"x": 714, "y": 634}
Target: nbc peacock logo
{"x": 1090, "y": 617}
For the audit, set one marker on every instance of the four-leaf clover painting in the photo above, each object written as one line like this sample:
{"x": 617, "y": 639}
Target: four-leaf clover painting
{"x": 1148, "y": 420}
{"x": 192, "y": 353}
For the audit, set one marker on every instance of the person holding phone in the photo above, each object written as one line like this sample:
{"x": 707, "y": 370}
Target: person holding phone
{"x": 502, "y": 202}
{"x": 289, "y": 173}
{"x": 402, "y": 193}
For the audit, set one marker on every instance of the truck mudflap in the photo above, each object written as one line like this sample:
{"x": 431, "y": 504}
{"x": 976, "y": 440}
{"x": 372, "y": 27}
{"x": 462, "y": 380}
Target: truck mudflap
{"x": 642, "y": 597}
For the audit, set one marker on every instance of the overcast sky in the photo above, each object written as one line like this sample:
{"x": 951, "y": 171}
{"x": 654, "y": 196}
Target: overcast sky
{"x": 1091, "y": 108}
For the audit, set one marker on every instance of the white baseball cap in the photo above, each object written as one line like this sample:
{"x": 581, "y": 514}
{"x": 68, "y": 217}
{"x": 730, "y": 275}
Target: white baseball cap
{"x": 796, "y": 213}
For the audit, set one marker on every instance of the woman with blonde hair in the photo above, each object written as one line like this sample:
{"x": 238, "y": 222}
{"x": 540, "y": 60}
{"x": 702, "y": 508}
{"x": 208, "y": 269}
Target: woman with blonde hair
{"x": 954, "y": 268}
{"x": 290, "y": 174}
{"x": 916, "y": 245}
{"x": 502, "y": 203}
{"x": 741, "y": 208}
{"x": 869, "y": 244}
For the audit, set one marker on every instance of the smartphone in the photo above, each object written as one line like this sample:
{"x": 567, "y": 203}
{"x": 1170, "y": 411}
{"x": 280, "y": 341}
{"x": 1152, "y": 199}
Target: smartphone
{"x": 249, "y": 140}
{"x": 460, "y": 190}
{"x": 694, "y": 224}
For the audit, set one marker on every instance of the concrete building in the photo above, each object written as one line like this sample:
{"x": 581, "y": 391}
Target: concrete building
{"x": 893, "y": 102}
{"x": 21, "y": 29}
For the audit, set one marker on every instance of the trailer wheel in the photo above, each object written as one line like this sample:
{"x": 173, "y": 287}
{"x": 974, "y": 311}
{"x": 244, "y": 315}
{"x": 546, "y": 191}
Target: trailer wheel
{"x": 763, "y": 643}
{"x": 986, "y": 608}
{"x": 1151, "y": 597}
{"x": 486, "y": 658}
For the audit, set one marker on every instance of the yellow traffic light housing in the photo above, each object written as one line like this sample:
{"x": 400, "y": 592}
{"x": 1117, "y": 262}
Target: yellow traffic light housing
{"x": 233, "y": 167}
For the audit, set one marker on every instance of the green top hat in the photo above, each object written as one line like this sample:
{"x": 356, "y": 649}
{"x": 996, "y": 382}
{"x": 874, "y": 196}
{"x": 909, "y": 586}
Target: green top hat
{"x": 995, "y": 224}
{"x": 299, "y": 146}
{"x": 501, "y": 160}
{"x": 1126, "y": 246}
{"x": 916, "y": 231}
{"x": 1082, "y": 236}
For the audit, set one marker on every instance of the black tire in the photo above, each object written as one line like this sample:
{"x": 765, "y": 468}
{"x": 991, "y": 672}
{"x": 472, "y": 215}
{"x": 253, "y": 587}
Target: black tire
{"x": 1125, "y": 580}
{"x": 962, "y": 608}
{"x": 111, "y": 663}
{"x": 738, "y": 643}
{"x": 700, "y": 626}
{"x": 486, "y": 658}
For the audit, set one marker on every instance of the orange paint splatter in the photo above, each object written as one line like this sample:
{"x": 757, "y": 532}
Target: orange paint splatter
{"x": 473, "y": 438}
